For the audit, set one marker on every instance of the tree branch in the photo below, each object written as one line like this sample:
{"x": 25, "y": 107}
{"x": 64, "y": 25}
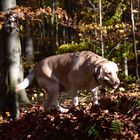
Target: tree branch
{"x": 92, "y": 5}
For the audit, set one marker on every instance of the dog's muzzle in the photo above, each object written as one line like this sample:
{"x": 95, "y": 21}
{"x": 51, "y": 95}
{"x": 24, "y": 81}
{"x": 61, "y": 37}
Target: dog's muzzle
{"x": 113, "y": 84}
{"x": 116, "y": 84}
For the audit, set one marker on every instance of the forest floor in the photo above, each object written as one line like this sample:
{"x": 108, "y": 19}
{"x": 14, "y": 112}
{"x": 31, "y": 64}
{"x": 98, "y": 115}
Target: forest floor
{"x": 117, "y": 117}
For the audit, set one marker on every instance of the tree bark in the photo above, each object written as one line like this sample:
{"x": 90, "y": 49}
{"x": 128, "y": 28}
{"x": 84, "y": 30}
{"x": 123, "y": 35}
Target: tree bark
{"x": 6, "y": 4}
{"x": 11, "y": 72}
{"x": 14, "y": 66}
{"x": 28, "y": 46}
{"x": 134, "y": 40}
{"x": 101, "y": 34}
{"x": 68, "y": 31}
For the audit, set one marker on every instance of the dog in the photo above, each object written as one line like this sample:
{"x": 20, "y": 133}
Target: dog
{"x": 72, "y": 72}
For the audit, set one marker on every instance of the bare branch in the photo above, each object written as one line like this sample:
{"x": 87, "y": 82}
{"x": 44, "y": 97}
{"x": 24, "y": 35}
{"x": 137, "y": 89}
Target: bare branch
{"x": 92, "y": 5}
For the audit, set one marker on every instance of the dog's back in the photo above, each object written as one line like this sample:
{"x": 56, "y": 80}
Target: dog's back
{"x": 69, "y": 70}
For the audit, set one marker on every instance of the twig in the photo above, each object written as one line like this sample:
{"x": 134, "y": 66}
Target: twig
{"x": 118, "y": 45}
{"x": 92, "y": 5}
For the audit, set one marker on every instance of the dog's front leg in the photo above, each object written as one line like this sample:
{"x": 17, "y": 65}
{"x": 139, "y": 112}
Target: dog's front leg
{"x": 95, "y": 96}
{"x": 75, "y": 101}
{"x": 74, "y": 98}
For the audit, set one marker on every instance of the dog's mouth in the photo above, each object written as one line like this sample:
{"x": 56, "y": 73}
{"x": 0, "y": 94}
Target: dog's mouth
{"x": 111, "y": 84}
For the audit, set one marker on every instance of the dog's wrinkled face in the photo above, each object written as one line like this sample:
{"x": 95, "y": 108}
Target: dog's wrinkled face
{"x": 109, "y": 74}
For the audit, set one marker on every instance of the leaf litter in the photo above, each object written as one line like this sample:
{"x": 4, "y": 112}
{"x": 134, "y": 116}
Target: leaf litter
{"x": 114, "y": 118}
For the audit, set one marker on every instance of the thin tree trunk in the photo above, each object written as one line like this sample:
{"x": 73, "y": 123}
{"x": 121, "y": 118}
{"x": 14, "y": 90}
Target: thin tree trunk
{"x": 126, "y": 66}
{"x": 64, "y": 34}
{"x": 68, "y": 31}
{"x": 101, "y": 34}
{"x": 29, "y": 50}
{"x": 134, "y": 40}
{"x": 125, "y": 60}
{"x": 56, "y": 33}
{"x": 53, "y": 36}
{"x": 138, "y": 9}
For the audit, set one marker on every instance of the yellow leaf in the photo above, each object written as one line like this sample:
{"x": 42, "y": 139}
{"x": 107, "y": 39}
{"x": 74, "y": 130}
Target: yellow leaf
{"x": 41, "y": 94}
{"x": 8, "y": 114}
{"x": 35, "y": 95}
{"x": 59, "y": 16}
{"x": 0, "y": 26}
{"x": 21, "y": 27}
{"x": 121, "y": 89}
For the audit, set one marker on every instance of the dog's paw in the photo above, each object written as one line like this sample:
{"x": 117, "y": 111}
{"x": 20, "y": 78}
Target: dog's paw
{"x": 75, "y": 101}
{"x": 96, "y": 102}
{"x": 62, "y": 110}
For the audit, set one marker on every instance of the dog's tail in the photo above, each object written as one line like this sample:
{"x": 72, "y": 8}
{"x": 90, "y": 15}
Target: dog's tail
{"x": 25, "y": 83}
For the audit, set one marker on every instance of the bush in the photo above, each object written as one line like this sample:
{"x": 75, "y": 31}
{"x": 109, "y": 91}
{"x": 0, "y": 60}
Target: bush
{"x": 75, "y": 47}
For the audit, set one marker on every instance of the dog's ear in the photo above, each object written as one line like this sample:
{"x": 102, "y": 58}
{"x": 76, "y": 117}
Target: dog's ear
{"x": 98, "y": 71}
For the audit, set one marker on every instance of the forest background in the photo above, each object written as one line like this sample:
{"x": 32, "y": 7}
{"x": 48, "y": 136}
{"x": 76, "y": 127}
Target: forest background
{"x": 32, "y": 30}
{"x": 39, "y": 28}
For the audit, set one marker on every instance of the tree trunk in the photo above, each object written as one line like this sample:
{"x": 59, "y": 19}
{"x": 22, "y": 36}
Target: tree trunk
{"x": 29, "y": 50}
{"x": 15, "y": 70}
{"x": 28, "y": 45}
{"x": 68, "y": 31}
{"x": 11, "y": 72}
{"x": 101, "y": 35}
{"x": 53, "y": 28}
{"x": 134, "y": 40}
{"x": 6, "y": 4}
{"x": 126, "y": 67}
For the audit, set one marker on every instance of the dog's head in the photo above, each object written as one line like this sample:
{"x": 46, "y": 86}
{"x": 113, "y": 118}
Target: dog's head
{"x": 107, "y": 74}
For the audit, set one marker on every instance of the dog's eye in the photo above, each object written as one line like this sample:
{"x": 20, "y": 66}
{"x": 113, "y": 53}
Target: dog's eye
{"x": 109, "y": 73}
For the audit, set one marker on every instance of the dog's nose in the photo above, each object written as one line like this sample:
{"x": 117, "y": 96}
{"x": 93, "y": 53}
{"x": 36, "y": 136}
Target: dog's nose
{"x": 117, "y": 82}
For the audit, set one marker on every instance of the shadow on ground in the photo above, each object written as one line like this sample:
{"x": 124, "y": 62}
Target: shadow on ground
{"x": 115, "y": 118}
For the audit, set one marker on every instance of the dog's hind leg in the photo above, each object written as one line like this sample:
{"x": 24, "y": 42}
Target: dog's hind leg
{"x": 55, "y": 103}
{"x": 52, "y": 101}
{"x": 52, "y": 88}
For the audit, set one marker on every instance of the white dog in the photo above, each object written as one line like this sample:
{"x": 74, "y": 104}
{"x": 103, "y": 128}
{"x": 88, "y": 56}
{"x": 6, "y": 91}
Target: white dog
{"x": 72, "y": 72}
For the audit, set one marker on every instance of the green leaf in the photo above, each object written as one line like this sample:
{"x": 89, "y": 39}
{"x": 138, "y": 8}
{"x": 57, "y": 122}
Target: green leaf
{"x": 92, "y": 131}
{"x": 116, "y": 126}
